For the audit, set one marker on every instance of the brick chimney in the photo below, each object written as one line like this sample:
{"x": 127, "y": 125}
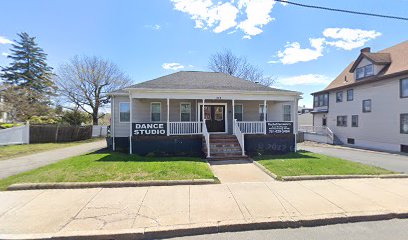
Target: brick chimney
{"x": 366, "y": 50}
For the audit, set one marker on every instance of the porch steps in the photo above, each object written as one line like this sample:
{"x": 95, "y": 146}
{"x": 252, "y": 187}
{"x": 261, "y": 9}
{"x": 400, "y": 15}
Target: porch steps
{"x": 224, "y": 147}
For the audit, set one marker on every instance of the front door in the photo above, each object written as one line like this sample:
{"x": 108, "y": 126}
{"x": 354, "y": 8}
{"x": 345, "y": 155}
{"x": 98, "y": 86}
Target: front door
{"x": 214, "y": 117}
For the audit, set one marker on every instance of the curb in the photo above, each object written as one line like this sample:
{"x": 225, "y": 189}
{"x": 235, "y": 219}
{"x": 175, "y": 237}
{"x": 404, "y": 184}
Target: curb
{"x": 76, "y": 185}
{"x": 325, "y": 177}
{"x": 207, "y": 228}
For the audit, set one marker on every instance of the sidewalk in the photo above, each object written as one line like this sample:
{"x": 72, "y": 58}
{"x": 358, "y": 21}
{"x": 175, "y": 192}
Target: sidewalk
{"x": 206, "y": 208}
{"x": 17, "y": 165}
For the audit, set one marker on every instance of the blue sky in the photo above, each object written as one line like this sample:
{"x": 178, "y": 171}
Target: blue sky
{"x": 303, "y": 48}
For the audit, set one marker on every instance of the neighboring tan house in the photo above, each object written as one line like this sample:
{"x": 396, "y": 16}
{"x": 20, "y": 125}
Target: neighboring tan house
{"x": 163, "y": 116}
{"x": 3, "y": 112}
{"x": 367, "y": 104}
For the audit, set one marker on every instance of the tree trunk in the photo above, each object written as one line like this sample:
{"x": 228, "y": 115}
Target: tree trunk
{"x": 95, "y": 117}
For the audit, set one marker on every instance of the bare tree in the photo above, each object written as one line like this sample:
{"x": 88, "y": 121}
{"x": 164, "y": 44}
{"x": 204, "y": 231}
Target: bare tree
{"x": 226, "y": 62}
{"x": 85, "y": 82}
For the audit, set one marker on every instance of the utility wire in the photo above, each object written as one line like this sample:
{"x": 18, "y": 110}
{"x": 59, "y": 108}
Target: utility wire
{"x": 342, "y": 10}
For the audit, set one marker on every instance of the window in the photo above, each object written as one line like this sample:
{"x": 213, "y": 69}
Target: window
{"x": 342, "y": 121}
{"x": 155, "y": 110}
{"x": 350, "y": 141}
{"x": 365, "y": 71}
{"x": 404, "y": 148}
{"x": 404, "y": 123}
{"x": 261, "y": 112}
{"x": 367, "y": 105}
{"x": 239, "y": 112}
{"x": 124, "y": 112}
{"x": 219, "y": 113}
{"x": 286, "y": 113}
{"x": 350, "y": 94}
{"x": 321, "y": 100}
{"x": 404, "y": 88}
{"x": 185, "y": 112}
{"x": 354, "y": 120}
{"x": 339, "y": 96}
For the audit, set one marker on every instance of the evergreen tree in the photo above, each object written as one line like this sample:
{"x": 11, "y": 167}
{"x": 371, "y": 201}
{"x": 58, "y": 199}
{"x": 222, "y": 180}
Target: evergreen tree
{"x": 30, "y": 73}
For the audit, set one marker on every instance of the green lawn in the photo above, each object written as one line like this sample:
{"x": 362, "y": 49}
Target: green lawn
{"x": 308, "y": 163}
{"x": 12, "y": 151}
{"x": 108, "y": 166}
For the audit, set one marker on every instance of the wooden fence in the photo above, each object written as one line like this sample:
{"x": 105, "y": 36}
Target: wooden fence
{"x": 57, "y": 133}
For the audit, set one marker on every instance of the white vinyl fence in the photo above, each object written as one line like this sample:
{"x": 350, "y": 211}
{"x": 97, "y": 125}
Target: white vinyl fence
{"x": 99, "y": 131}
{"x": 15, "y": 135}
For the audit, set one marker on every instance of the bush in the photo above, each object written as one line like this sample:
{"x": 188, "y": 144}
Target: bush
{"x": 9, "y": 125}
{"x": 44, "y": 120}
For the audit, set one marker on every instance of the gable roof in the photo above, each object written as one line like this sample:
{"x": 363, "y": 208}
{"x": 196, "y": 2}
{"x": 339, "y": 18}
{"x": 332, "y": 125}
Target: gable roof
{"x": 376, "y": 58}
{"x": 186, "y": 80}
{"x": 395, "y": 57}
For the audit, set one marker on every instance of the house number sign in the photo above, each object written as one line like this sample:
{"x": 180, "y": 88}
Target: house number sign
{"x": 149, "y": 129}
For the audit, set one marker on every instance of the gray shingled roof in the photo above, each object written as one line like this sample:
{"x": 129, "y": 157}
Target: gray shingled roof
{"x": 202, "y": 80}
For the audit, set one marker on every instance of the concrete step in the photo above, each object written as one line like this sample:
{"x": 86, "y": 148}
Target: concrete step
{"x": 228, "y": 157}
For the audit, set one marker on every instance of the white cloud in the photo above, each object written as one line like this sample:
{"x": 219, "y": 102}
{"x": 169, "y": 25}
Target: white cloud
{"x": 155, "y": 27}
{"x": 348, "y": 39}
{"x": 293, "y": 53}
{"x": 172, "y": 66}
{"x": 257, "y": 15}
{"x": 4, "y": 40}
{"x": 220, "y": 16}
{"x": 223, "y": 16}
{"x": 307, "y": 79}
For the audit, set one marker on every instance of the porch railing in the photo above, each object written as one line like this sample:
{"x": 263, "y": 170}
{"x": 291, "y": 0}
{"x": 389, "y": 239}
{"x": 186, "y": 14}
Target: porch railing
{"x": 256, "y": 127}
{"x": 240, "y": 136}
{"x": 207, "y": 138}
{"x": 320, "y": 130}
{"x": 185, "y": 128}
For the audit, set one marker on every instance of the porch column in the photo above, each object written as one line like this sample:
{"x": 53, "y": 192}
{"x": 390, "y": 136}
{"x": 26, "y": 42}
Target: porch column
{"x": 264, "y": 116}
{"x": 130, "y": 122}
{"x": 233, "y": 116}
{"x": 202, "y": 111}
{"x": 168, "y": 114}
{"x": 113, "y": 122}
{"x": 295, "y": 120}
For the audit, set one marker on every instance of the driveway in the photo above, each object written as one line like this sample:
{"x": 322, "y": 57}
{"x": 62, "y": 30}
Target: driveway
{"x": 17, "y": 165}
{"x": 390, "y": 161}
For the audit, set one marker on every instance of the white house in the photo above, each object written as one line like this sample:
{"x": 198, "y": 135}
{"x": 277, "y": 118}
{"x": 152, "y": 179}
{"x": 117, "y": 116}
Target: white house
{"x": 164, "y": 116}
{"x": 367, "y": 104}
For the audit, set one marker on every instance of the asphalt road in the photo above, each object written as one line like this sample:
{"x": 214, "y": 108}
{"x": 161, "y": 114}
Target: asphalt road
{"x": 396, "y": 229}
{"x": 393, "y": 162}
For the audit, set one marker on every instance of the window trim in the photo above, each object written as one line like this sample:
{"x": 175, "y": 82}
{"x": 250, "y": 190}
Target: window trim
{"x": 242, "y": 107}
{"x": 151, "y": 112}
{"x": 371, "y": 106}
{"x": 290, "y": 112}
{"x": 337, "y": 100}
{"x": 190, "y": 113}
{"x": 401, "y": 80}
{"x": 352, "y": 120}
{"x": 401, "y": 116}
{"x": 337, "y": 121}
{"x": 120, "y": 103}
{"x": 352, "y": 95}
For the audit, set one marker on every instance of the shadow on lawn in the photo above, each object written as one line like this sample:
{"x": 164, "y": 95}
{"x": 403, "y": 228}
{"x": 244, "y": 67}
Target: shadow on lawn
{"x": 301, "y": 154}
{"x": 110, "y": 156}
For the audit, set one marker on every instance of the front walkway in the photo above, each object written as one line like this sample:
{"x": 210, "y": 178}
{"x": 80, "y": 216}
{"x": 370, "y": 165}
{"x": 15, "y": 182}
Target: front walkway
{"x": 17, "y": 165}
{"x": 144, "y": 209}
{"x": 389, "y": 161}
{"x": 238, "y": 171}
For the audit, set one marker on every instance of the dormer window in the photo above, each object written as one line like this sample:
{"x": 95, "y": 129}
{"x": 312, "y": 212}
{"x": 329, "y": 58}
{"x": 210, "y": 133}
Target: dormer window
{"x": 365, "y": 71}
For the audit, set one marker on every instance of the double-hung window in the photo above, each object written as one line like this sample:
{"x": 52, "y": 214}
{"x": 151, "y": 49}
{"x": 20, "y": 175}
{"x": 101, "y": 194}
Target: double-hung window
{"x": 185, "y": 112}
{"x": 263, "y": 113}
{"x": 354, "y": 120}
{"x": 365, "y": 71}
{"x": 339, "y": 96}
{"x": 367, "y": 105}
{"x": 155, "y": 112}
{"x": 404, "y": 123}
{"x": 238, "y": 111}
{"x": 286, "y": 112}
{"x": 350, "y": 94}
{"x": 342, "y": 121}
{"x": 404, "y": 88}
{"x": 124, "y": 112}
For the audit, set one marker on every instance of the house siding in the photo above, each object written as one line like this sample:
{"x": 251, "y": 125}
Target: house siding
{"x": 378, "y": 129}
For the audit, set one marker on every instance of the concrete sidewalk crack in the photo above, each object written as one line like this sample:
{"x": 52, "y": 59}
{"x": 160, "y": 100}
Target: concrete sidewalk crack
{"x": 279, "y": 197}
{"x": 15, "y": 208}
{"x": 141, "y": 204}
{"x": 237, "y": 203}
